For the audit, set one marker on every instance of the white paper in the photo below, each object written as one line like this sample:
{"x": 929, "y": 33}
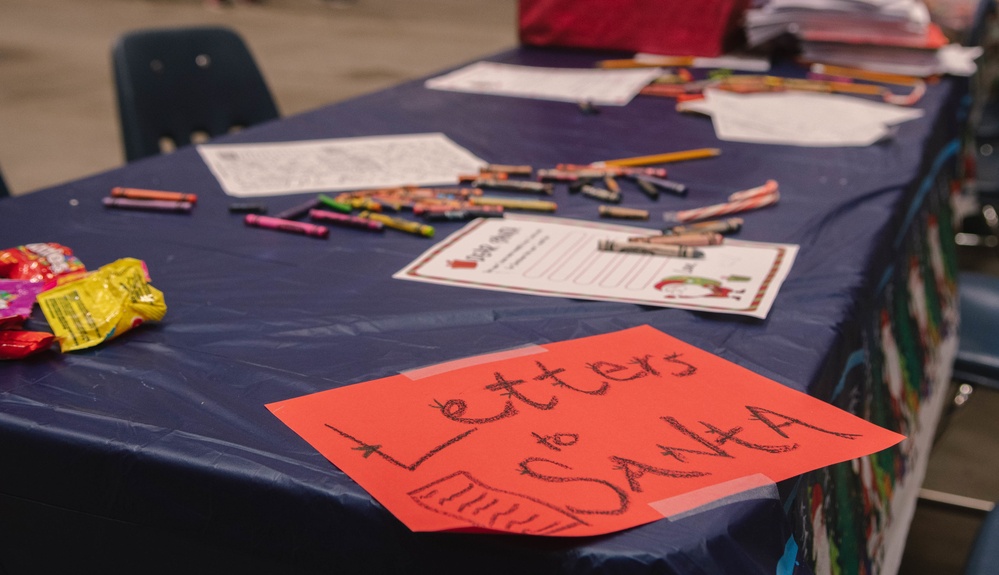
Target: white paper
{"x": 799, "y": 118}
{"x": 598, "y": 86}
{"x": 559, "y": 258}
{"x": 267, "y": 169}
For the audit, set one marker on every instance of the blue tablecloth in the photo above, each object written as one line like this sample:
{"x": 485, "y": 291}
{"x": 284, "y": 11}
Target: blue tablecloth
{"x": 161, "y": 436}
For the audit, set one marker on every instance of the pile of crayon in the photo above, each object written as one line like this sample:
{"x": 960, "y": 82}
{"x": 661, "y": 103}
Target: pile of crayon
{"x": 677, "y": 241}
{"x": 370, "y": 209}
{"x": 601, "y": 180}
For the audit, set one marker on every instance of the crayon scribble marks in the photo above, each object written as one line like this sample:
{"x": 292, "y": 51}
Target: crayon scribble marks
{"x": 506, "y": 510}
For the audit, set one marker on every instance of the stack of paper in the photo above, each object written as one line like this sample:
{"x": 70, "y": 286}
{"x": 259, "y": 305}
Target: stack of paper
{"x": 893, "y": 36}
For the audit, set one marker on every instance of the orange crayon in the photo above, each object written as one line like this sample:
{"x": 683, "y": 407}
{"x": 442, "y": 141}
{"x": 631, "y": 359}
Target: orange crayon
{"x": 141, "y": 194}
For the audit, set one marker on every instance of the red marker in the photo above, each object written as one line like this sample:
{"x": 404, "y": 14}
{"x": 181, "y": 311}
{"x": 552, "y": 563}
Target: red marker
{"x": 289, "y": 226}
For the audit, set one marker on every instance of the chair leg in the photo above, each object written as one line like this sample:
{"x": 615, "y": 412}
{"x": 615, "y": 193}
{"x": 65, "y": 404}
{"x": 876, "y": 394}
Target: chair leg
{"x": 962, "y": 394}
{"x": 987, "y": 237}
{"x": 956, "y": 501}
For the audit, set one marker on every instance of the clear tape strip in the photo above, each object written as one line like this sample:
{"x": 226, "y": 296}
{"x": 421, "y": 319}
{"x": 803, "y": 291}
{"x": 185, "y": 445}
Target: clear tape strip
{"x": 756, "y": 486}
{"x": 439, "y": 368}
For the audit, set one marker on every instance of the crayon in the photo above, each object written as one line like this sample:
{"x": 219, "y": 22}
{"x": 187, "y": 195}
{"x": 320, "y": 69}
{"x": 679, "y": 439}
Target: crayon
{"x": 600, "y": 194}
{"x": 290, "y": 226}
{"x": 558, "y": 176}
{"x": 429, "y": 210}
{"x": 595, "y": 171}
{"x": 649, "y": 249}
{"x": 328, "y": 202}
{"x": 612, "y": 184}
{"x": 726, "y": 226}
{"x": 588, "y": 171}
{"x": 695, "y": 239}
{"x": 663, "y": 184}
{"x": 244, "y": 208}
{"x": 588, "y": 108}
{"x": 457, "y": 215}
{"x": 427, "y": 206}
{"x": 400, "y": 224}
{"x": 867, "y": 75}
{"x": 515, "y": 204}
{"x": 366, "y": 204}
{"x": 152, "y": 205}
{"x": 346, "y": 220}
{"x": 468, "y": 178}
{"x": 295, "y": 212}
{"x": 507, "y": 169}
{"x": 650, "y": 189}
{"x": 623, "y": 213}
{"x": 140, "y": 194}
{"x": 515, "y": 185}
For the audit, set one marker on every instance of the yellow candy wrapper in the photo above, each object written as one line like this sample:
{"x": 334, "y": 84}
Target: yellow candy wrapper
{"x": 102, "y": 305}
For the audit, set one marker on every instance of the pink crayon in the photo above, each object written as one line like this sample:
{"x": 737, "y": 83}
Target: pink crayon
{"x": 289, "y": 226}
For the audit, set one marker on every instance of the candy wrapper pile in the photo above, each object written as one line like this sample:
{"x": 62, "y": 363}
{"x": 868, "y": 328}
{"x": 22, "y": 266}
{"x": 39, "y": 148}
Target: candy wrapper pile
{"x": 83, "y": 309}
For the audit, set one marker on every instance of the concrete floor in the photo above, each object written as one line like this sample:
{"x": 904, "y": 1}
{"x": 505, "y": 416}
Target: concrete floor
{"x": 58, "y": 122}
{"x": 57, "y": 113}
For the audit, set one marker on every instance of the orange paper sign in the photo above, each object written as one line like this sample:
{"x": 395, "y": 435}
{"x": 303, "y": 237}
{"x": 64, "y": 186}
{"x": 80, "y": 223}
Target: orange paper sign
{"x": 581, "y": 437}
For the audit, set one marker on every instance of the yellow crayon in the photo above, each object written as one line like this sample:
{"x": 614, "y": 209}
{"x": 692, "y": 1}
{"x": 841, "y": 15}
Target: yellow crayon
{"x": 400, "y": 224}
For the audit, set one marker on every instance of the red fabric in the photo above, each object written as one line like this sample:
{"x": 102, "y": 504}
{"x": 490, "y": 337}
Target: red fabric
{"x": 670, "y": 27}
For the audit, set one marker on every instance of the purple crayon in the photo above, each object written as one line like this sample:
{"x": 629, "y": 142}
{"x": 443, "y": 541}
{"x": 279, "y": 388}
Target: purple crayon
{"x": 154, "y": 205}
{"x": 295, "y": 212}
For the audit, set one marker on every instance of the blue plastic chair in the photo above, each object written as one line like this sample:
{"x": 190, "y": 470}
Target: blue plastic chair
{"x": 984, "y": 556}
{"x": 4, "y": 192}
{"x": 182, "y": 84}
{"x": 977, "y": 361}
{"x": 976, "y": 365}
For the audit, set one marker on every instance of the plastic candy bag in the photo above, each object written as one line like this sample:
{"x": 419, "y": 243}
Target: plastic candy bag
{"x": 102, "y": 305}
{"x": 17, "y": 344}
{"x": 41, "y": 262}
{"x": 17, "y": 297}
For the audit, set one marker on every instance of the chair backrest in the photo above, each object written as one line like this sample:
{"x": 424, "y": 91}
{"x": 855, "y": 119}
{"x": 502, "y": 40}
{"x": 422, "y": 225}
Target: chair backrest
{"x": 984, "y": 555}
{"x": 4, "y": 192}
{"x": 177, "y": 84}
